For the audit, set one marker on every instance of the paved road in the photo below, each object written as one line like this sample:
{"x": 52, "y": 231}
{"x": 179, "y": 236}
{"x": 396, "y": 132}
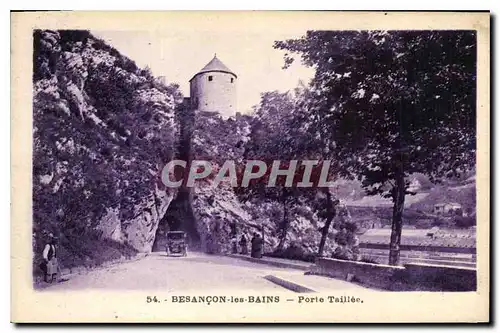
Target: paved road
{"x": 197, "y": 272}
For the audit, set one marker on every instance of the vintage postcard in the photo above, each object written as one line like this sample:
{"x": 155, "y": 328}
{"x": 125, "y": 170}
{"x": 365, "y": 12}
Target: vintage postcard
{"x": 250, "y": 167}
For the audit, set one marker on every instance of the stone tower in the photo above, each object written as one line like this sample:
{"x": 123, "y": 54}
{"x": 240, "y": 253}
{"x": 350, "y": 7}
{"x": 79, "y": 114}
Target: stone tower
{"x": 213, "y": 89}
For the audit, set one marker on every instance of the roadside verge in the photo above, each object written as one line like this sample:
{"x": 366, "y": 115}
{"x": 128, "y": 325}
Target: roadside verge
{"x": 67, "y": 273}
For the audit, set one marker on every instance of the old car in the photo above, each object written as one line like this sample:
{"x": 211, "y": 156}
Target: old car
{"x": 176, "y": 243}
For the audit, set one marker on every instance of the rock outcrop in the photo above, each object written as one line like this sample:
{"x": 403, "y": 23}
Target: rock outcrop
{"x": 103, "y": 130}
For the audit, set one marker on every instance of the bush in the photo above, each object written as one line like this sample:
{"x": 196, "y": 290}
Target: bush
{"x": 294, "y": 252}
{"x": 343, "y": 253}
{"x": 439, "y": 222}
{"x": 465, "y": 221}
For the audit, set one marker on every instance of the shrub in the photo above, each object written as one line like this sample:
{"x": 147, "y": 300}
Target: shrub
{"x": 465, "y": 221}
{"x": 343, "y": 253}
{"x": 294, "y": 252}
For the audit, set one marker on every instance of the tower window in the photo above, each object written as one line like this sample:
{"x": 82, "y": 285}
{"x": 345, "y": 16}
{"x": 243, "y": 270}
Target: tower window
{"x": 210, "y": 78}
{"x": 232, "y": 80}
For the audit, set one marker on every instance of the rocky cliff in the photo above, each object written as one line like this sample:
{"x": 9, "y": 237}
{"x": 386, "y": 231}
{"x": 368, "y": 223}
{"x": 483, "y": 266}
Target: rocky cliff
{"x": 102, "y": 131}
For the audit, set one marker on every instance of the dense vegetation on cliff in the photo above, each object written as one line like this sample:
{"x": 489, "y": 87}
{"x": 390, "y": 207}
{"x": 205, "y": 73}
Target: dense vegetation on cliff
{"x": 102, "y": 130}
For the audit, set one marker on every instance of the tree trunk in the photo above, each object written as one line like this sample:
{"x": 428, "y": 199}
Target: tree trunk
{"x": 326, "y": 228}
{"x": 324, "y": 235}
{"x": 262, "y": 230}
{"x": 284, "y": 230}
{"x": 397, "y": 219}
{"x": 284, "y": 226}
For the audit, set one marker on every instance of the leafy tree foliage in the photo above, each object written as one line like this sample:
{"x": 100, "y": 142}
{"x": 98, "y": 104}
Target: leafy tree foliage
{"x": 392, "y": 103}
{"x": 271, "y": 138}
{"x": 278, "y": 134}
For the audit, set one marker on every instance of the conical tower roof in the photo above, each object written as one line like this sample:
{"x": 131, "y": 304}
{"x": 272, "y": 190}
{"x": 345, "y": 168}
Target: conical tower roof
{"x": 215, "y": 65}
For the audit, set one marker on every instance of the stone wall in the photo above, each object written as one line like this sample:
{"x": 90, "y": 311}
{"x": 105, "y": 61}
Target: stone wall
{"x": 434, "y": 277}
{"x": 399, "y": 278}
{"x": 372, "y": 275}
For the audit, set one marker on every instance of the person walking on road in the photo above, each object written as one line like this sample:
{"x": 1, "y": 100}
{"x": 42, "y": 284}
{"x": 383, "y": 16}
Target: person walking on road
{"x": 243, "y": 245}
{"x": 257, "y": 243}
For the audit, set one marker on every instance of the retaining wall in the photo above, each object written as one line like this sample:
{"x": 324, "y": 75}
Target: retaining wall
{"x": 399, "y": 278}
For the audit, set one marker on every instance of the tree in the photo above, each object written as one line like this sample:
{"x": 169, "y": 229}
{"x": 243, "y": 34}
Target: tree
{"x": 392, "y": 104}
{"x": 272, "y": 138}
{"x": 315, "y": 144}
{"x": 278, "y": 133}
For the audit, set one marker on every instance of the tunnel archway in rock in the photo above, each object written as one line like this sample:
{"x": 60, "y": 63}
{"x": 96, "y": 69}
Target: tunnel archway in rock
{"x": 179, "y": 217}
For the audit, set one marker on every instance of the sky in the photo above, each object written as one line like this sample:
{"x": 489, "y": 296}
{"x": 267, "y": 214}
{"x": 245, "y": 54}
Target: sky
{"x": 179, "y": 55}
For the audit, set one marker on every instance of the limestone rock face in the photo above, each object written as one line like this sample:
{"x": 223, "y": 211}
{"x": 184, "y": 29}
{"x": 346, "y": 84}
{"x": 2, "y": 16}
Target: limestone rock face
{"x": 220, "y": 218}
{"x": 110, "y": 226}
{"x": 103, "y": 129}
{"x": 140, "y": 231}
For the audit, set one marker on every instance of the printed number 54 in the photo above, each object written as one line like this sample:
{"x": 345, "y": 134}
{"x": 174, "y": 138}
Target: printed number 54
{"x": 150, "y": 299}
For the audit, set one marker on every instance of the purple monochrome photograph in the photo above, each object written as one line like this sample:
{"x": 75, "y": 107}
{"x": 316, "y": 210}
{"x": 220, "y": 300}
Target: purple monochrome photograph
{"x": 286, "y": 168}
